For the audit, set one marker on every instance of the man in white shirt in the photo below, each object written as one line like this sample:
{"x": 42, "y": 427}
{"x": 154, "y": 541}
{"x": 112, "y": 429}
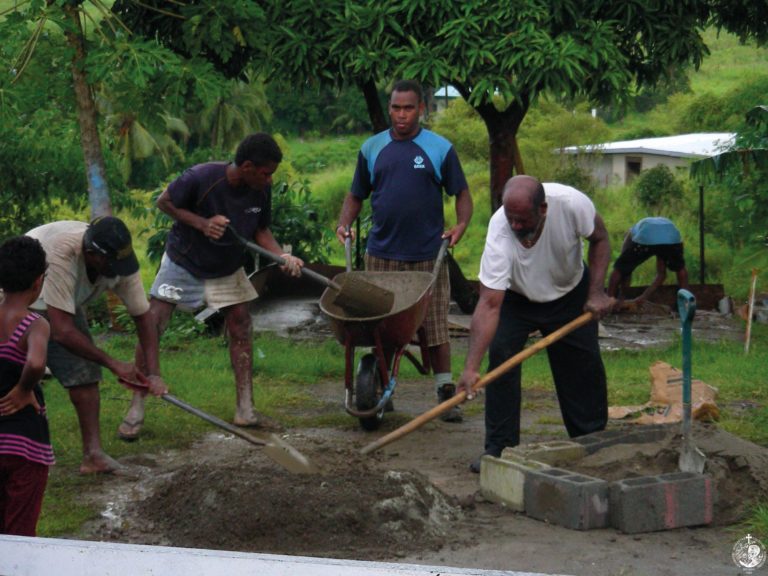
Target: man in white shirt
{"x": 83, "y": 261}
{"x": 533, "y": 277}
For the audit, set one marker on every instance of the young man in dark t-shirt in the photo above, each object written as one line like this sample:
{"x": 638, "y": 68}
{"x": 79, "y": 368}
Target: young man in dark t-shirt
{"x": 404, "y": 171}
{"x": 203, "y": 261}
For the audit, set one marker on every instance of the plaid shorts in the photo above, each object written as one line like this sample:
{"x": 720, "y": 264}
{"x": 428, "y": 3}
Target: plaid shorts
{"x": 436, "y": 322}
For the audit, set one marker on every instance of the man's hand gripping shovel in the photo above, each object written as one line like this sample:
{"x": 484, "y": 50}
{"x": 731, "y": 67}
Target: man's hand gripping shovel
{"x": 274, "y": 447}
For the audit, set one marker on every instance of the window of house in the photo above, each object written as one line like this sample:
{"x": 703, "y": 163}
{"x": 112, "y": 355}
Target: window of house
{"x": 633, "y": 166}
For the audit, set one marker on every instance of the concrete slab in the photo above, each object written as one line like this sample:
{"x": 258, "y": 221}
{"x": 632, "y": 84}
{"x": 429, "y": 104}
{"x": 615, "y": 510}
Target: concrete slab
{"x": 21, "y": 556}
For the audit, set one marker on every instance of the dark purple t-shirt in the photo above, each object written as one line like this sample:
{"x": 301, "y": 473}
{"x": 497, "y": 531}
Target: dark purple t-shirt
{"x": 204, "y": 190}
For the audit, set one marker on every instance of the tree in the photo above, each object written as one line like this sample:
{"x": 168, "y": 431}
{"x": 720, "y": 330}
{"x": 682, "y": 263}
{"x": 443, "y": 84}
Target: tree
{"x": 133, "y": 80}
{"x": 600, "y": 50}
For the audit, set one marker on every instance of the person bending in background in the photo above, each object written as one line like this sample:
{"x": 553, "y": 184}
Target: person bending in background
{"x": 654, "y": 236}
{"x": 405, "y": 170}
{"x": 25, "y": 445}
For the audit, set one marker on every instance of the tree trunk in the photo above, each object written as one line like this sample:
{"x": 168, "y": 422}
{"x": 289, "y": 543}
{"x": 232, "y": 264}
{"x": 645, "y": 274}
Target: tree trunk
{"x": 505, "y": 157}
{"x": 98, "y": 193}
{"x": 379, "y": 121}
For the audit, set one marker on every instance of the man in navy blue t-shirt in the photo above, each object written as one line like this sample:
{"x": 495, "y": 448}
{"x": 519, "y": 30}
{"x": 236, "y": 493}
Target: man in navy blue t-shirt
{"x": 404, "y": 171}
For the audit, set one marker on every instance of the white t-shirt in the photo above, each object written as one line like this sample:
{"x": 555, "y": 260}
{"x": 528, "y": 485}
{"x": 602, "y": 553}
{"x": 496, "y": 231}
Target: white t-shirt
{"x": 554, "y": 265}
{"x": 66, "y": 285}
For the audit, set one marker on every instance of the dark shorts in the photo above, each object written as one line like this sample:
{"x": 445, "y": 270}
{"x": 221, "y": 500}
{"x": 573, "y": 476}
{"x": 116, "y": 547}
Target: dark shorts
{"x": 68, "y": 368}
{"x": 636, "y": 254}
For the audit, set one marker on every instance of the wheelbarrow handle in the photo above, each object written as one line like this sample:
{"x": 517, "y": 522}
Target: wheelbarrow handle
{"x": 280, "y": 260}
{"x": 441, "y": 255}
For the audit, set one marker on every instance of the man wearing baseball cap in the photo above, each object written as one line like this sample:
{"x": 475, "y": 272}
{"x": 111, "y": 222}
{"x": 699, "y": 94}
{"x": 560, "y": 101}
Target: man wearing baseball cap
{"x": 84, "y": 260}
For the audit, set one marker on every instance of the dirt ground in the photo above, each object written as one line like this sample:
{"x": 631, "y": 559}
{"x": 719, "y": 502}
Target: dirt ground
{"x": 415, "y": 500}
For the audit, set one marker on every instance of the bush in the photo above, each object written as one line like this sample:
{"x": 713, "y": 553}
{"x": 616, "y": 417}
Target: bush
{"x": 295, "y": 221}
{"x": 658, "y": 186}
{"x": 465, "y": 129}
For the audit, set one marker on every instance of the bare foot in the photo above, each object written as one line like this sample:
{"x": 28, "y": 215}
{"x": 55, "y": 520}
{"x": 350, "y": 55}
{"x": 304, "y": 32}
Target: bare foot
{"x": 257, "y": 420}
{"x": 99, "y": 464}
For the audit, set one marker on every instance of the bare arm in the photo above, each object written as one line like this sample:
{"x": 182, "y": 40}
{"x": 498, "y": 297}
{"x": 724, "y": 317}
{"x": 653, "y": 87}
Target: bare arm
{"x": 265, "y": 239}
{"x": 616, "y": 279}
{"x": 464, "y": 209}
{"x": 213, "y": 227}
{"x": 598, "y": 258}
{"x": 658, "y": 280}
{"x": 149, "y": 340}
{"x": 349, "y": 211}
{"x": 64, "y": 332}
{"x": 482, "y": 329}
{"x": 22, "y": 394}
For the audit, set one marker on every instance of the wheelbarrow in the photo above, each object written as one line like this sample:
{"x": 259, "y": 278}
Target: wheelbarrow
{"x": 369, "y": 391}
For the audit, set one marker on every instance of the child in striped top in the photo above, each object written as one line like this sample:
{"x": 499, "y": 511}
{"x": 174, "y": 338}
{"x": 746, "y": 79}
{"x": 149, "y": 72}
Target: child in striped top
{"x": 25, "y": 446}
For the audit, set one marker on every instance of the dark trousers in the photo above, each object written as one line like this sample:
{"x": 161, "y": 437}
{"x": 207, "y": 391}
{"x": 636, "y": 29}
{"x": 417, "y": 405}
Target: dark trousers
{"x": 574, "y": 360}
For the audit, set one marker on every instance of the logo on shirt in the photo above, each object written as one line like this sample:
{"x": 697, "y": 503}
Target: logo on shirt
{"x": 169, "y": 292}
{"x": 253, "y": 210}
{"x": 418, "y": 162}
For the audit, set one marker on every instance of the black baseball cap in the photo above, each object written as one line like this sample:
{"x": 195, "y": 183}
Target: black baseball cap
{"x": 110, "y": 236}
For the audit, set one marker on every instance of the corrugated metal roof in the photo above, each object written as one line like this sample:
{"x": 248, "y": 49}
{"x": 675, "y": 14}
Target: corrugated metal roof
{"x": 699, "y": 145}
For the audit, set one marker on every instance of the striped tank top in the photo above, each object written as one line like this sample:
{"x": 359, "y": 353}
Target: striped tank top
{"x": 24, "y": 433}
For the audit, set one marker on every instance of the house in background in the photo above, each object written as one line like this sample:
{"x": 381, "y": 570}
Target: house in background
{"x": 620, "y": 162}
{"x": 442, "y": 97}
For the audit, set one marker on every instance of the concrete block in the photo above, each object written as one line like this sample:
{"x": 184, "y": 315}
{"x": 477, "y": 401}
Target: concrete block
{"x": 554, "y": 452}
{"x": 662, "y": 502}
{"x": 630, "y": 435}
{"x": 502, "y": 480}
{"x": 561, "y": 497}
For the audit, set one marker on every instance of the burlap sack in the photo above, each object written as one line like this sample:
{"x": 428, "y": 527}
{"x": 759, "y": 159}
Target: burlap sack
{"x": 666, "y": 402}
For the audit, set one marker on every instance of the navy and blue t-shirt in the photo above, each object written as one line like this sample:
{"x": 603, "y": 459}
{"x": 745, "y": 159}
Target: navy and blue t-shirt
{"x": 204, "y": 190}
{"x": 405, "y": 180}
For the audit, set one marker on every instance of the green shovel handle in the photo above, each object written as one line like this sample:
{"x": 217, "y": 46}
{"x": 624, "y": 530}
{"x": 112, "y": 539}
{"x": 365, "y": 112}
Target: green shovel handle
{"x": 686, "y": 306}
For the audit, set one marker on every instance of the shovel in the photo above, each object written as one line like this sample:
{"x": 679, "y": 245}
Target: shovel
{"x": 274, "y": 447}
{"x": 461, "y": 395}
{"x": 691, "y": 458}
{"x": 359, "y": 298}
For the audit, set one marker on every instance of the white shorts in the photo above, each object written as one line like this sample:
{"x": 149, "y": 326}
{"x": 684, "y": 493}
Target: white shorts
{"x": 176, "y": 285}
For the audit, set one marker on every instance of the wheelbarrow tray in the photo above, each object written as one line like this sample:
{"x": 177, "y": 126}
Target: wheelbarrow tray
{"x": 412, "y": 290}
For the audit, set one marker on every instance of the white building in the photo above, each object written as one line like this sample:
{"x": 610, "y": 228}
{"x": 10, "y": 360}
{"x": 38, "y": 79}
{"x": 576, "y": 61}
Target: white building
{"x": 619, "y": 162}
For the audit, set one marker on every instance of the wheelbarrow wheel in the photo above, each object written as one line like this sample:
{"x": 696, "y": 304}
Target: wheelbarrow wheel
{"x": 368, "y": 391}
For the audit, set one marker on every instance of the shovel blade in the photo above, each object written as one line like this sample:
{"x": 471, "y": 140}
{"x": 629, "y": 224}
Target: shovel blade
{"x": 691, "y": 458}
{"x": 286, "y": 455}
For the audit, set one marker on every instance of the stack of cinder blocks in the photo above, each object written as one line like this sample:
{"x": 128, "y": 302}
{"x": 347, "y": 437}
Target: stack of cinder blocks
{"x": 534, "y": 479}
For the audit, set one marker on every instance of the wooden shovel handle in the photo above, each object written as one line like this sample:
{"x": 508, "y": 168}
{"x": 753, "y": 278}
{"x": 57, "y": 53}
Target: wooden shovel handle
{"x": 461, "y": 395}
